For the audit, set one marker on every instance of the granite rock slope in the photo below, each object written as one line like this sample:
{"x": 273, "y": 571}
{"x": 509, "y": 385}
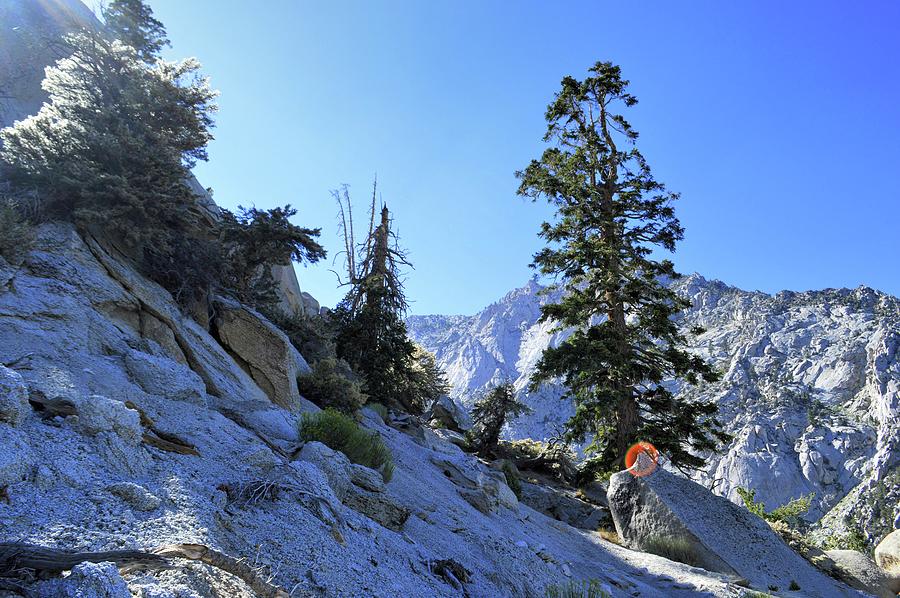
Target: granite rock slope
{"x": 102, "y": 368}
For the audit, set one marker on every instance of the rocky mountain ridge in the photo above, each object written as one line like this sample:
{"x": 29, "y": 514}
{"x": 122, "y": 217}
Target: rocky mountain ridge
{"x": 810, "y": 388}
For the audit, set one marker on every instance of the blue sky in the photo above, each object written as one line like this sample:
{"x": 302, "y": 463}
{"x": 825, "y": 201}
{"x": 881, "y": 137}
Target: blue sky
{"x": 779, "y": 122}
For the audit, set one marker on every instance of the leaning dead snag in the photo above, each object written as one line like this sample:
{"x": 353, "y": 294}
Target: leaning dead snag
{"x": 237, "y": 567}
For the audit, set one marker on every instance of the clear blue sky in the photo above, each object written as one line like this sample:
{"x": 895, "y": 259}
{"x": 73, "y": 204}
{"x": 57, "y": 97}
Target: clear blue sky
{"x": 779, "y": 122}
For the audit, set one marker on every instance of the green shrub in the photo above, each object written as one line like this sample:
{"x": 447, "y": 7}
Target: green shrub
{"x": 512, "y": 477}
{"x": 341, "y": 433}
{"x": 329, "y": 384}
{"x": 674, "y": 549}
{"x": 588, "y": 588}
{"x": 16, "y": 234}
{"x": 788, "y": 513}
{"x": 852, "y": 540}
{"x": 794, "y": 587}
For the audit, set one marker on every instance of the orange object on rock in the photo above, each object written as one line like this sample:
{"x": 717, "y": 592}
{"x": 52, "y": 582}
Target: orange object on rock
{"x": 642, "y": 459}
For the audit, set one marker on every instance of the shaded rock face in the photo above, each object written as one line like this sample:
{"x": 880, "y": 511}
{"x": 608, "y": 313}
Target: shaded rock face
{"x": 28, "y": 43}
{"x": 810, "y": 389}
{"x": 562, "y": 505}
{"x": 449, "y": 414}
{"x": 262, "y": 349}
{"x": 720, "y": 535}
{"x": 861, "y": 572}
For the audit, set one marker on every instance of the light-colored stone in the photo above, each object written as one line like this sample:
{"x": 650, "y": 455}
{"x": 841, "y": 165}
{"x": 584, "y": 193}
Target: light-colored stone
{"x": 137, "y": 497}
{"x": 887, "y": 553}
{"x": 13, "y": 397}
{"x": 87, "y": 580}
{"x": 262, "y": 349}
{"x": 358, "y": 487}
{"x": 98, "y": 414}
{"x": 722, "y": 536}
{"x": 16, "y": 457}
{"x": 164, "y": 377}
{"x": 861, "y": 572}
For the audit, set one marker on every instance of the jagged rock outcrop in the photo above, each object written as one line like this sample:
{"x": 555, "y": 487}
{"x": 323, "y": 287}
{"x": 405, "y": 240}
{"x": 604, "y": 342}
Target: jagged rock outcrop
{"x": 668, "y": 510}
{"x": 810, "y": 389}
{"x": 563, "y": 505}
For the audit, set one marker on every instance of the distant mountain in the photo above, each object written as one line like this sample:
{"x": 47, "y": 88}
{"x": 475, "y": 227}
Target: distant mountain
{"x": 810, "y": 389}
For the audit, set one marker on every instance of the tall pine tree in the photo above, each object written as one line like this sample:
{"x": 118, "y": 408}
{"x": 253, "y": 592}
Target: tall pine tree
{"x": 610, "y": 215}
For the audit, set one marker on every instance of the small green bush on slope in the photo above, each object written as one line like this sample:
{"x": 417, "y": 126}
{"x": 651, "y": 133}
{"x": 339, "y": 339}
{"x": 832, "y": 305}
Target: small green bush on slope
{"x": 788, "y": 513}
{"x": 341, "y": 433}
{"x": 329, "y": 386}
{"x": 578, "y": 589}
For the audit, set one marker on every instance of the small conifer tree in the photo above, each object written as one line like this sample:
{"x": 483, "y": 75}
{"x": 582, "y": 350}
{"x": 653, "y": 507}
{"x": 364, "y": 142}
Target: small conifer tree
{"x": 490, "y": 413}
{"x": 253, "y": 241}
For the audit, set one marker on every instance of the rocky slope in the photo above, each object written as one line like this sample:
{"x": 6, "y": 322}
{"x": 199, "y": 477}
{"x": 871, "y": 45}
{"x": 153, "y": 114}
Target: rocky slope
{"x": 103, "y": 374}
{"x": 811, "y": 389}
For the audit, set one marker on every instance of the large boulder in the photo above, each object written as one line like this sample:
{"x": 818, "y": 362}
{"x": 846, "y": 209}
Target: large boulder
{"x": 861, "y": 572}
{"x": 449, "y": 414}
{"x": 667, "y": 510}
{"x": 887, "y": 553}
{"x": 13, "y": 397}
{"x": 263, "y": 350}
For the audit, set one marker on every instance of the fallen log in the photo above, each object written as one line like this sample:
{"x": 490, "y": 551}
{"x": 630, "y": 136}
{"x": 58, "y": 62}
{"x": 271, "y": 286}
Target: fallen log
{"x": 23, "y": 563}
{"x": 28, "y": 561}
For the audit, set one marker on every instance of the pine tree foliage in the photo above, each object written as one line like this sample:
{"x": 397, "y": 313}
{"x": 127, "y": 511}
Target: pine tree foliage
{"x": 611, "y": 213}
{"x": 132, "y": 23}
{"x": 372, "y": 335}
{"x": 111, "y": 151}
{"x": 253, "y": 240}
{"x": 490, "y": 413}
